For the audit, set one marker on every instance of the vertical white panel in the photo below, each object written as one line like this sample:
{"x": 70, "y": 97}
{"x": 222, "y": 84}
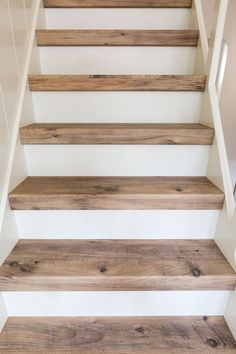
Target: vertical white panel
{"x": 8, "y": 235}
{"x": 3, "y": 313}
{"x": 19, "y": 169}
{"x": 230, "y": 313}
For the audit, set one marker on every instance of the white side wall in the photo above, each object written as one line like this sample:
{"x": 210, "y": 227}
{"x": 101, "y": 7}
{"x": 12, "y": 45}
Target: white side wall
{"x": 16, "y": 17}
{"x": 228, "y": 102}
{"x": 208, "y": 9}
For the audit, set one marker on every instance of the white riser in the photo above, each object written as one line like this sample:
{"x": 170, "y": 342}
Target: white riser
{"x": 164, "y": 303}
{"x": 117, "y": 18}
{"x": 117, "y": 60}
{"x": 110, "y": 107}
{"x": 109, "y": 224}
{"x": 116, "y": 160}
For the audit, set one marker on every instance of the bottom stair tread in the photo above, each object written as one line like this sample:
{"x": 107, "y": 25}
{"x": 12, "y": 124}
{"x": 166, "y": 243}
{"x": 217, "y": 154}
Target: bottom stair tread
{"x": 117, "y": 335}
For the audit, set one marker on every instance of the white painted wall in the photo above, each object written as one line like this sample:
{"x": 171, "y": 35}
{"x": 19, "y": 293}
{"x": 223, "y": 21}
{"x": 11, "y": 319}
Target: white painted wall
{"x": 208, "y": 9}
{"x": 16, "y": 18}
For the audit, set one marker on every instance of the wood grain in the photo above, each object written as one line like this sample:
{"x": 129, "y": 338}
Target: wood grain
{"x": 117, "y": 82}
{"x": 117, "y": 335}
{"x": 151, "y": 134}
{"x": 118, "y": 265}
{"x": 118, "y": 3}
{"x": 117, "y": 37}
{"x": 116, "y": 193}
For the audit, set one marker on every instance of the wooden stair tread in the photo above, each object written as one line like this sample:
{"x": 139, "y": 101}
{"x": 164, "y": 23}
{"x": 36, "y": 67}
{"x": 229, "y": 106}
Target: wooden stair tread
{"x": 117, "y": 335}
{"x": 117, "y": 37}
{"x": 118, "y": 3}
{"x": 70, "y": 265}
{"x": 116, "y": 193}
{"x": 116, "y": 133}
{"x": 117, "y": 82}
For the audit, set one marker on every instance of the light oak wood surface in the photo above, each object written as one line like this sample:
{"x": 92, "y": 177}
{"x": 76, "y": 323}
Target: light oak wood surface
{"x": 117, "y": 82}
{"x": 104, "y": 265}
{"x": 117, "y": 38}
{"x": 117, "y": 335}
{"x": 116, "y": 193}
{"x": 118, "y": 3}
{"x": 151, "y": 134}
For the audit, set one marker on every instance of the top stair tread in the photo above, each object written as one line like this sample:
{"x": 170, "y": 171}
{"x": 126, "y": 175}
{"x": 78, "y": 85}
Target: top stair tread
{"x": 117, "y": 3}
{"x": 117, "y": 37}
{"x": 116, "y": 265}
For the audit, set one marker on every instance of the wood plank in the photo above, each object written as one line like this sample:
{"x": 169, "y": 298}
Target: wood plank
{"x": 79, "y": 133}
{"x": 117, "y": 335}
{"x": 118, "y": 3}
{"x": 116, "y": 193}
{"x": 117, "y": 37}
{"x": 94, "y": 265}
{"x": 117, "y": 82}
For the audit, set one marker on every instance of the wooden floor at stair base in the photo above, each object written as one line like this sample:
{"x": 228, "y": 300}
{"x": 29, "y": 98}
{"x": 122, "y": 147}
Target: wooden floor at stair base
{"x": 117, "y": 82}
{"x": 116, "y": 133}
{"x": 117, "y": 335}
{"x": 116, "y": 193}
{"x": 118, "y": 3}
{"x": 111, "y": 265}
{"x": 117, "y": 38}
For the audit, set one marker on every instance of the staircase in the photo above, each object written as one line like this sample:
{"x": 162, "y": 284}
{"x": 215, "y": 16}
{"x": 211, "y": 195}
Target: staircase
{"x": 116, "y": 218}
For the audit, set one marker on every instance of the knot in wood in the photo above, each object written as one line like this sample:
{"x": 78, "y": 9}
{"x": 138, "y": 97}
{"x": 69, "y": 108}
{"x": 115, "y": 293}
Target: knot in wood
{"x": 196, "y": 272}
{"x": 103, "y": 269}
{"x": 14, "y": 264}
{"x": 139, "y": 329}
{"x": 212, "y": 342}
